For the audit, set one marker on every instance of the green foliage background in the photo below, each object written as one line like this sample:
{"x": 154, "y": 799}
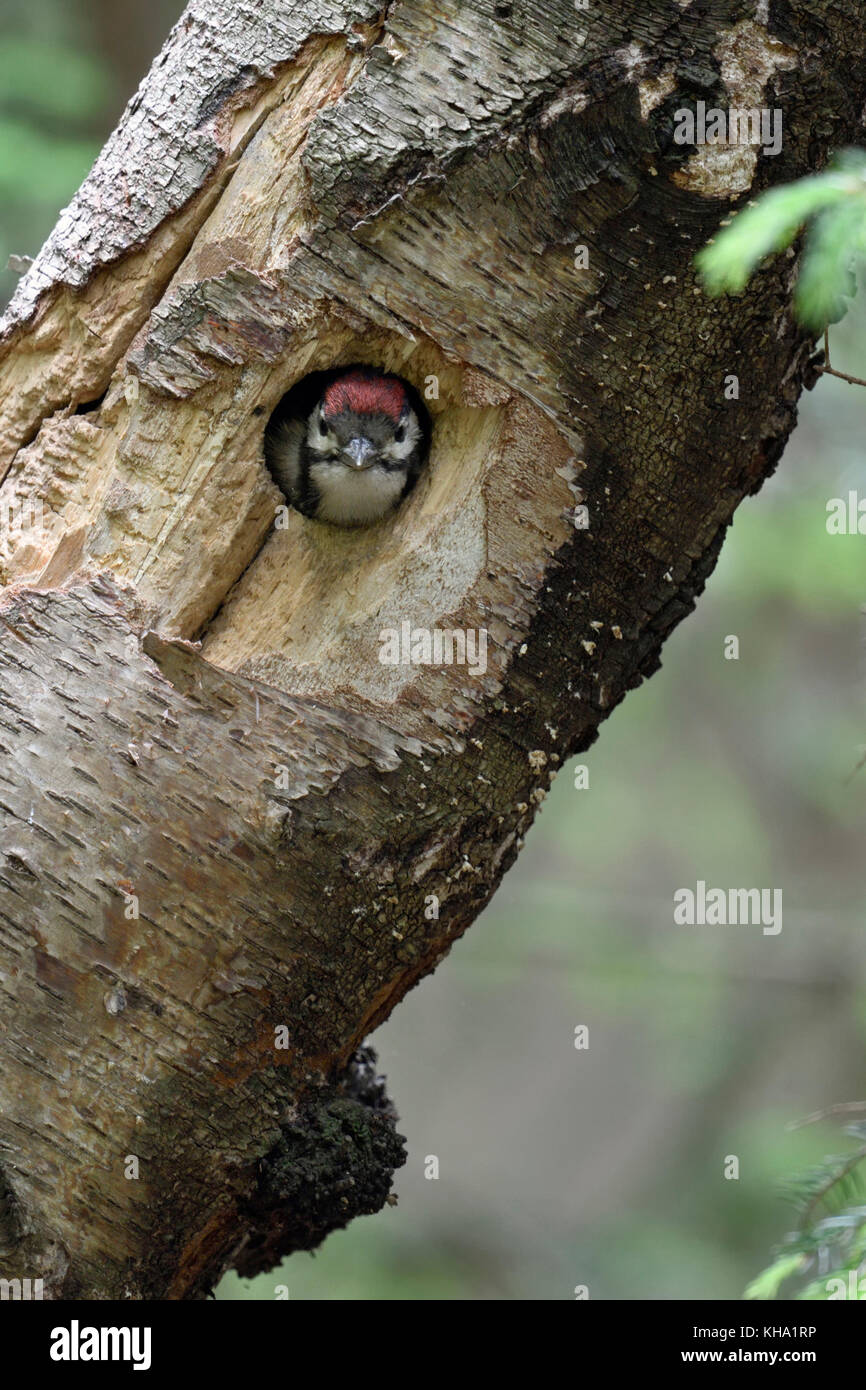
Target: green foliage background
{"x": 602, "y": 1167}
{"x": 831, "y": 207}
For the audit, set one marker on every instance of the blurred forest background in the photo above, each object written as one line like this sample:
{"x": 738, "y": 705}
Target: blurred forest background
{"x": 602, "y": 1167}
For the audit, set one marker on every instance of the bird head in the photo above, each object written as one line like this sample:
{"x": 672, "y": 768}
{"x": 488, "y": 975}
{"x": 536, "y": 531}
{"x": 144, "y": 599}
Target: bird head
{"x": 364, "y": 420}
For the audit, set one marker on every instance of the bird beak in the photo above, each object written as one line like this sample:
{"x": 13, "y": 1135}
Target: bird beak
{"x": 361, "y": 452}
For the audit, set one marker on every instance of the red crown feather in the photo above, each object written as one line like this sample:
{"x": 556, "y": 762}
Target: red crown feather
{"x": 365, "y": 394}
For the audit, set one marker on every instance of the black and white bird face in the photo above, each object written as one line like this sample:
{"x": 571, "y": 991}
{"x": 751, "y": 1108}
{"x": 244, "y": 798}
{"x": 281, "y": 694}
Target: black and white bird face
{"x": 357, "y": 453}
{"x": 359, "y": 440}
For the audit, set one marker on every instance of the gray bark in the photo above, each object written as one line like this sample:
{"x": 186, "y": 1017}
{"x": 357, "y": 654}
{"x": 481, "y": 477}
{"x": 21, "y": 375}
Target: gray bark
{"x": 193, "y": 714}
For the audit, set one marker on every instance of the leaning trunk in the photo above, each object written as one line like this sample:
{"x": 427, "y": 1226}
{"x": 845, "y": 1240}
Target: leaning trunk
{"x": 234, "y": 831}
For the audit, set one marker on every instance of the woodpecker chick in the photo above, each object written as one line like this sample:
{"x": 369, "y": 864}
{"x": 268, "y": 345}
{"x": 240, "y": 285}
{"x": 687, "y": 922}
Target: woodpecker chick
{"x": 355, "y": 455}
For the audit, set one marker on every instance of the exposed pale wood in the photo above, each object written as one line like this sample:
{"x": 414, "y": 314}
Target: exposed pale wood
{"x": 192, "y": 706}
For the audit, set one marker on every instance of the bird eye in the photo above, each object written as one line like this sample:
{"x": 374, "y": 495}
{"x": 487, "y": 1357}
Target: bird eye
{"x": 400, "y": 433}
{"x": 323, "y": 428}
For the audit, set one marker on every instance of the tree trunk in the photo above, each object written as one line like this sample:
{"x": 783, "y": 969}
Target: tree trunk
{"x": 231, "y": 837}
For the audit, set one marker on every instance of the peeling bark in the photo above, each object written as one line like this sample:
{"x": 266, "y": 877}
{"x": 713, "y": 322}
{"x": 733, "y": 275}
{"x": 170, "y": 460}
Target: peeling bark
{"x": 195, "y": 724}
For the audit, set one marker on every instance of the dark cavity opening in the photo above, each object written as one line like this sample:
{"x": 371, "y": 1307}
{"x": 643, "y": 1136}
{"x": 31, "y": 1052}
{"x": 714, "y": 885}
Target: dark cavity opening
{"x": 85, "y": 407}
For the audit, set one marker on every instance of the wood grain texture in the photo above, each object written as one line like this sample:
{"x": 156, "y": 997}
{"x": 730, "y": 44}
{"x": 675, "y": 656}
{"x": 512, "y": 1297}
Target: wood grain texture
{"x": 193, "y": 709}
